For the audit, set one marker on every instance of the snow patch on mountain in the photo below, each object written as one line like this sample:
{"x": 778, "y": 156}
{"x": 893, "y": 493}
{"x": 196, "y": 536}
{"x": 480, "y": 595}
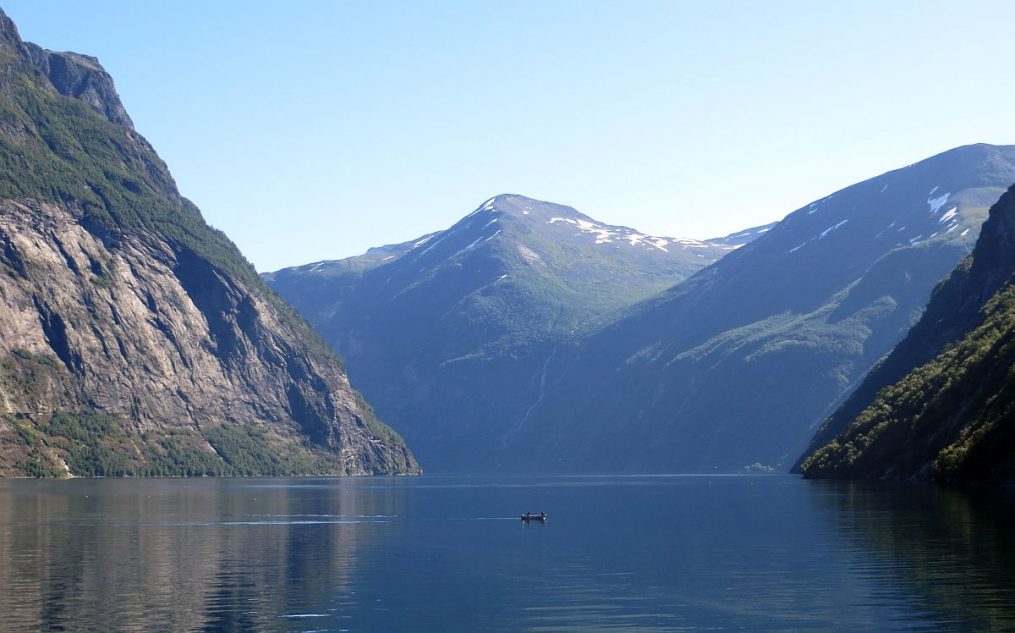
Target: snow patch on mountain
{"x": 936, "y": 203}
{"x": 830, "y": 229}
{"x": 948, "y": 215}
{"x": 603, "y": 234}
{"x": 609, "y": 234}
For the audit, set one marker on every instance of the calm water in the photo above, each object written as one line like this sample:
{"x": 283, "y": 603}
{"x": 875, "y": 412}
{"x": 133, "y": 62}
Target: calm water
{"x": 761, "y": 553}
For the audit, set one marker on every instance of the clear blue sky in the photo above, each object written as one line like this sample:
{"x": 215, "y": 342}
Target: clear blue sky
{"x": 313, "y": 130}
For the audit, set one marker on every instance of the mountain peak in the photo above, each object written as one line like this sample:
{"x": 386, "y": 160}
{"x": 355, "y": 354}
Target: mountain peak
{"x": 519, "y": 205}
{"x": 10, "y": 39}
{"x": 81, "y": 77}
{"x": 72, "y": 75}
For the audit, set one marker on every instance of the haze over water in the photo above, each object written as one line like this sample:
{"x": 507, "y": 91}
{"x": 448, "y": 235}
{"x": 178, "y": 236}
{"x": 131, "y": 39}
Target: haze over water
{"x": 761, "y": 553}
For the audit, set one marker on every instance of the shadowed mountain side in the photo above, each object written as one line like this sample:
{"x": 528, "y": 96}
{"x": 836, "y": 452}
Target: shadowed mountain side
{"x": 733, "y": 368}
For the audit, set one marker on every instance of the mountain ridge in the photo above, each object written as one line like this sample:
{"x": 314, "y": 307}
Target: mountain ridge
{"x": 695, "y": 377}
{"x": 689, "y": 377}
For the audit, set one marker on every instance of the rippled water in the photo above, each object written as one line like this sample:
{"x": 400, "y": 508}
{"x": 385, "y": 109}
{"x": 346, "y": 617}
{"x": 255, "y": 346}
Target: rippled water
{"x": 755, "y": 553}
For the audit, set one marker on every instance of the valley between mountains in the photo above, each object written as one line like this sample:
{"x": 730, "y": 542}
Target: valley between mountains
{"x": 529, "y": 337}
{"x": 867, "y": 334}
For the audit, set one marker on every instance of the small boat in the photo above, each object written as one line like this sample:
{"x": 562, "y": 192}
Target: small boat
{"x": 528, "y": 516}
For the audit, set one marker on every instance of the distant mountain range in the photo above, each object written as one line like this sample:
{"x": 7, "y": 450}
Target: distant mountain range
{"x": 529, "y": 337}
{"x": 942, "y": 405}
{"x": 449, "y": 333}
{"x": 136, "y": 339}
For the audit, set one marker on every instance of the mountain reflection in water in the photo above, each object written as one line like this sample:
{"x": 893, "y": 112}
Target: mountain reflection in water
{"x": 764, "y": 553}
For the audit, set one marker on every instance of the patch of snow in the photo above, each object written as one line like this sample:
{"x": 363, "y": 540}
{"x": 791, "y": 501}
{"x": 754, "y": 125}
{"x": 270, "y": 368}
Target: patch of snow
{"x": 388, "y": 257}
{"x": 429, "y": 248}
{"x": 830, "y": 229}
{"x": 488, "y": 223}
{"x": 883, "y": 189}
{"x": 884, "y": 230}
{"x": 915, "y": 240}
{"x": 602, "y": 233}
{"x": 931, "y": 192}
{"x": 796, "y": 248}
{"x": 316, "y": 267}
{"x": 952, "y": 228}
{"x": 486, "y": 206}
{"x": 504, "y": 276}
{"x": 951, "y": 213}
{"x": 525, "y": 212}
{"x": 962, "y": 234}
{"x": 475, "y": 242}
{"x": 607, "y": 234}
{"x": 423, "y": 241}
{"x": 936, "y": 203}
{"x": 659, "y": 243}
{"x": 902, "y": 228}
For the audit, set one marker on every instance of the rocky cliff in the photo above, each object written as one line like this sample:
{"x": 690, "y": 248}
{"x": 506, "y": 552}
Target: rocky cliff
{"x": 136, "y": 339}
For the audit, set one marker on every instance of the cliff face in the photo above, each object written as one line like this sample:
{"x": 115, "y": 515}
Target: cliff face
{"x": 135, "y": 338}
{"x": 941, "y": 405}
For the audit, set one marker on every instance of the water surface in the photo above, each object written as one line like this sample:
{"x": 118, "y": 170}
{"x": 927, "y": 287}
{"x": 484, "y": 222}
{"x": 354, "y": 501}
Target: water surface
{"x": 668, "y": 553}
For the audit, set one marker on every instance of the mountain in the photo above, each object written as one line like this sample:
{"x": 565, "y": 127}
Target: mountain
{"x": 941, "y": 405}
{"x": 742, "y": 238}
{"x": 733, "y": 368}
{"x": 136, "y": 339}
{"x": 449, "y": 334}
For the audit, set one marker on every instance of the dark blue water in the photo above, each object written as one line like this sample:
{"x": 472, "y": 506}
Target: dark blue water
{"x": 752, "y": 553}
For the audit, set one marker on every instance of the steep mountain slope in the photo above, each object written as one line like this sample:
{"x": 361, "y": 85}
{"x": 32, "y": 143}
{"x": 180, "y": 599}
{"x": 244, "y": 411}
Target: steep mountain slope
{"x": 942, "y": 405}
{"x": 449, "y": 335}
{"x": 135, "y": 338}
{"x": 734, "y": 367}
